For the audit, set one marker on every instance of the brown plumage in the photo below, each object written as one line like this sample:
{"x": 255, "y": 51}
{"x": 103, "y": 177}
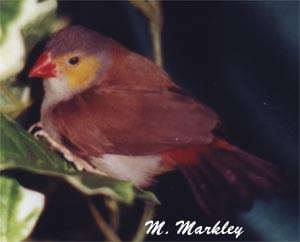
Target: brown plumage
{"x": 121, "y": 113}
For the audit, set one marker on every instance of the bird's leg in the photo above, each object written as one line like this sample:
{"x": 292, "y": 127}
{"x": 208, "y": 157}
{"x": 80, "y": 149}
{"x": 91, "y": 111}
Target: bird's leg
{"x": 37, "y": 125}
{"x": 79, "y": 163}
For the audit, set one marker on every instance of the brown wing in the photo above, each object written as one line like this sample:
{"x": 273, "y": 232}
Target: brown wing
{"x": 135, "y": 122}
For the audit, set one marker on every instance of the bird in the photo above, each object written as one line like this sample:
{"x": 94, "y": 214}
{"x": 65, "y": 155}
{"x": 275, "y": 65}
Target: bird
{"x": 119, "y": 113}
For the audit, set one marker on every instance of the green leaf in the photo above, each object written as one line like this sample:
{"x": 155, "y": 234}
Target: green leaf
{"x": 13, "y": 100}
{"x": 20, "y": 150}
{"x": 9, "y": 11}
{"x": 20, "y": 210}
{"x": 23, "y": 24}
{"x": 146, "y": 196}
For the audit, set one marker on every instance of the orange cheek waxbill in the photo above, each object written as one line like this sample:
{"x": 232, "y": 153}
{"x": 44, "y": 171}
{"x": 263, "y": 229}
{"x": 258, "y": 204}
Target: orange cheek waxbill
{"x": 123, "y": 115}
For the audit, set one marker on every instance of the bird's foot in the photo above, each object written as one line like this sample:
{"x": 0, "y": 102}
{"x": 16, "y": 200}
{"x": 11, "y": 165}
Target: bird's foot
{"x": 37, "y": 125}
{"x": 79, "y": 163}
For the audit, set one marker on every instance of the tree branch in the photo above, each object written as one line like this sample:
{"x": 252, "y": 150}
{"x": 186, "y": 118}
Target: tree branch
{"x": 107, "y": 231}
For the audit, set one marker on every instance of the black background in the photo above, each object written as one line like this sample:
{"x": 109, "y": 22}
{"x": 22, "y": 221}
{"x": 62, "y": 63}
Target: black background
{"x": 241, "y": 58}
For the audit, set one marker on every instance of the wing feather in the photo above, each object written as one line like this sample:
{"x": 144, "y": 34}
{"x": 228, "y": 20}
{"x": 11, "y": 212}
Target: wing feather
{"x": 132, "y": 121}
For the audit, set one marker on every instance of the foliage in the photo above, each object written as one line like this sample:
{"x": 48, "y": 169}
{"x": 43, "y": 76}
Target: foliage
{"x": 22, "y": 24}
{"x": 20, "y": 209}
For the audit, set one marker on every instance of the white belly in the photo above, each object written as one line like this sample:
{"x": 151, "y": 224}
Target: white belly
{"x": 137, "y": 169}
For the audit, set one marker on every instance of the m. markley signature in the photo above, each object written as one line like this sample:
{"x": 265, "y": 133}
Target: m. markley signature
{"x": 191, "y": 227}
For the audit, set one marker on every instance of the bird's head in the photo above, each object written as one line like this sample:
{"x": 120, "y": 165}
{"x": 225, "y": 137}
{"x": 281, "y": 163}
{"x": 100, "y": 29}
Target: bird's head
{"x": 73, "y": 58}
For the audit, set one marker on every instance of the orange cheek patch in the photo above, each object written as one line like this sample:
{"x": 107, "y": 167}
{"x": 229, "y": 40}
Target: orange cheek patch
{"x": 81, "y": 75}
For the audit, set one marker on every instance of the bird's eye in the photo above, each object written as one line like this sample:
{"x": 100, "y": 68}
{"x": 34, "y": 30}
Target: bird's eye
{"x": 74, "y": 60}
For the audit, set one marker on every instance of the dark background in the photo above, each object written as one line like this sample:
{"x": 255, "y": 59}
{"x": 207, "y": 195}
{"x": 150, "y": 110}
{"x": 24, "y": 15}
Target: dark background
{"x": 241, "y": 58}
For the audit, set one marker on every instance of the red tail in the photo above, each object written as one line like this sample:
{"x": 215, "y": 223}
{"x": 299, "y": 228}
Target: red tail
{"x": 223, "y": 177}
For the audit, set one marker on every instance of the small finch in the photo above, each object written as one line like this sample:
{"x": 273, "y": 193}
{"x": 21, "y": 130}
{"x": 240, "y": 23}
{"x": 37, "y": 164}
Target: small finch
{"x": 115, "y": 111}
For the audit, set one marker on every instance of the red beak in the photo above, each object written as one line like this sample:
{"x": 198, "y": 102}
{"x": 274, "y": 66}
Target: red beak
{"x": 44, "y": 67}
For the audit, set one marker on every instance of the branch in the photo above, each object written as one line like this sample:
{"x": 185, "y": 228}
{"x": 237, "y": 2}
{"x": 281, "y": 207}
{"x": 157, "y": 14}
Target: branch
{"x": 147, "y": 215}
{"x": 113, "y": 207}
{"x": 152, "y": 10}
{"x": 107, "y": 231}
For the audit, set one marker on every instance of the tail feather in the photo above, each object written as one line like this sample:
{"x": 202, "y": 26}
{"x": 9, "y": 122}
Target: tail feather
{"x": 200, "y": 190}
{"x": 235, "y": 183}
{"x": 226, "y": 179}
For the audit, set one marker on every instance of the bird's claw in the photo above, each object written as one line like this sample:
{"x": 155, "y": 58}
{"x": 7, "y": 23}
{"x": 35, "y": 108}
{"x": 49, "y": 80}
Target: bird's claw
{"x": 37, "y": 125}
